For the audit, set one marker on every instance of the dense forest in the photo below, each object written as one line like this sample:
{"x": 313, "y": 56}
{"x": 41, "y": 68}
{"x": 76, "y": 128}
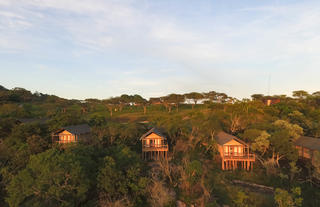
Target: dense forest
{"x": 109, "y": 170}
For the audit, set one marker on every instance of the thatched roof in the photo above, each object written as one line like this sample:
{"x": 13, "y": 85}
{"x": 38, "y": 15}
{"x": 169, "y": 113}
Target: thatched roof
{"x": 308, "y": 142}
{"x": 153, "y": 130}
{"x": 223, "y": 138}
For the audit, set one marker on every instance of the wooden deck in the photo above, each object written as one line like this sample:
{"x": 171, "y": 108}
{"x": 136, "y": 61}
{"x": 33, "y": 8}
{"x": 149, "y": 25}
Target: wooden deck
{"x": 155, "y": 147}
{"x": 248, "y": 157}
{"x": 65, "y": 141}
{"x": 155, "y": 151}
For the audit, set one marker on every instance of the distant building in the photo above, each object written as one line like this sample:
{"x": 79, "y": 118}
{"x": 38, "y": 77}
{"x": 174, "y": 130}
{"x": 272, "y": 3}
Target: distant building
{"x": 234, "y": 152}
{"x": 270, "y": 102}
{"x": 155, "y": 101}
{"x": 154, "y": 145}
{"x": 71, "y": 134}
{"x": 306, "y": 147}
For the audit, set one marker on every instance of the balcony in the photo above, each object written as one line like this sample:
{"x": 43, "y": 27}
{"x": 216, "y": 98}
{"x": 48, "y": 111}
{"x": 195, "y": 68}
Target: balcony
{"x": 65, "y": 141}
{"x": 239, "y": 156}
{"x": 155, "y": 147}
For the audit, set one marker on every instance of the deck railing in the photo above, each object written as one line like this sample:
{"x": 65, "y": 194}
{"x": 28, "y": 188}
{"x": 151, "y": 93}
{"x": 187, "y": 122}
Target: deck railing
{"x": 240, "y": 156}
{"x": 65, "y": 141}
{"x": 155, "y": 146}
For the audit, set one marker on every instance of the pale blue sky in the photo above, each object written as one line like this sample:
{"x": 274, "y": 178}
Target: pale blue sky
{"x": 100, "y": 48}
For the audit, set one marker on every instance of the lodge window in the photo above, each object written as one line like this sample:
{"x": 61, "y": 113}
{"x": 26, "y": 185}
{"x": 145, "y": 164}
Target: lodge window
{"x": 226, "y": 150}
{"x": 306, "y": 153}
{"x": 235, "y": 151}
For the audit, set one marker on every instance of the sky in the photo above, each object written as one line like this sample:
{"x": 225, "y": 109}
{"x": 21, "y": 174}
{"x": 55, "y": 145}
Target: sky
{"x": 100, "y": 48}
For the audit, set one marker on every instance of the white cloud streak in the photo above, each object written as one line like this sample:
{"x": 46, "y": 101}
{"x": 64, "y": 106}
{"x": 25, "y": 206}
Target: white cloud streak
{"x": 275, "y": 35}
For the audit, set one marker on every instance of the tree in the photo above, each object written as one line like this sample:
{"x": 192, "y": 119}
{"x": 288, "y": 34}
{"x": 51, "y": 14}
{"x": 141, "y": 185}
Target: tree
{"x": 111, "y": 180}
{"x": 297, "y": 117}
{"x": 37, "y": 144}
{"x": 121, "y": 176}
{"x": 294, "y": 170}
{"x": 51, "y": 178}
{"x": 276, "y": 144}
{"x": 294, "y": 130}
{"x": 2, "y": 88}
{"x": 251, "y": 134}
{"x": 222, "y": 97}
{"x": 155, "y": 100}
{"x": 195, "y": 97}
{"x": 261, "y": 143}
{"x": 317, "y": 94}
{"x": 257, "y": 96}
{"x": 175, "y": 99}
{"x": 241, "y": 199}
{"x": 212, "y": 95}
{"x": 111, "y": 103}
{"x": 285, "y": 199}
{"x": 141, "y": 101}
{"x": 159, "y": 194}
{"x": 301, "y": 94}
{"x": 281, "y": 141}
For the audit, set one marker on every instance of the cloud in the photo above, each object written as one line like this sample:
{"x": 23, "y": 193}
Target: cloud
{"x": 209, "y": 49}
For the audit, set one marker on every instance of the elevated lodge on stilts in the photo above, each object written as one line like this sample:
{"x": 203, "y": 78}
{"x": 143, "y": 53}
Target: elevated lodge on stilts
{"x": 154, "y": 145}
{"x": 234, "y": 152}
{"x": 307, "y": 147}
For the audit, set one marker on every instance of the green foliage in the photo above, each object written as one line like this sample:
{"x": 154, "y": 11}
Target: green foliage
{"x": 121, "y": 176}
{"x": 261, "y": 143}
{"x": 194, "y": 171}
{"x": 51, "y": 178}
{"x": 300, "y": 94}
{"x": 241, "y": 199}
{"x": 251, "y": 134}
{"x": 285, "y": 199}
{"x": 106, "y": 173}
{"x": 294, "y": 130}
